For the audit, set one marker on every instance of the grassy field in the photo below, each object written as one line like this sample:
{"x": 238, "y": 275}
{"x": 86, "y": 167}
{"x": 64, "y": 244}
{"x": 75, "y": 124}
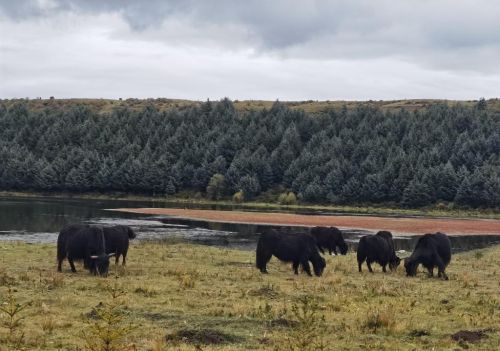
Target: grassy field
{"x": 185, "y": 297}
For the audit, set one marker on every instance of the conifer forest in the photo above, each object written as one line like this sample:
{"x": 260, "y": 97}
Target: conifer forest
{"x": 362, "y": 155}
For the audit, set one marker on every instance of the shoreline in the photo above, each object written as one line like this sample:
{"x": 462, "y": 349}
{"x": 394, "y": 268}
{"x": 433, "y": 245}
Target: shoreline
{"x": 368, "y": 210}
{"x": 404, "y": 226}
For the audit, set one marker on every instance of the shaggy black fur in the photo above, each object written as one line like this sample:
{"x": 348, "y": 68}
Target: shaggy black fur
{"x": 377, "y": 248}
{"x": 117, "y": 241}
{"x": 83, "y": 242}
{"x": 329, "y": 238}
{"x": 296, "y": 248}
{"x": 432, "y": 250}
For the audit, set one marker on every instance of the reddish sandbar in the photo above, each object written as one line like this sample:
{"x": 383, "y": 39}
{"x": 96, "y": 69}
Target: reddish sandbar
{"x": 401, "y": 226}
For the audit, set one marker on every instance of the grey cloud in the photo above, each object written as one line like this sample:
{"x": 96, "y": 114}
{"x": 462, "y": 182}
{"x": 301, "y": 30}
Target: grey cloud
{"x": 313, "y": 49}
{"x": 282, "y": 24}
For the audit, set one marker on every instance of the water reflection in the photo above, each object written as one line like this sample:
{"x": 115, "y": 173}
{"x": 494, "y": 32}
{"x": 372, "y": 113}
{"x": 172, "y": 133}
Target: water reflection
{"x": 40, "y": 219}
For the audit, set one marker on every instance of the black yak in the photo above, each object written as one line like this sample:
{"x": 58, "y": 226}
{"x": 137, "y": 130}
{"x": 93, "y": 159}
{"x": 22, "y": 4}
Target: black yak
{"x": 377, "y": 248}
{"x": 432, "y": 250}
{"x": 329, "y": 238}
{"x": 296, "y": 248}
{"x": 83, "y": 242}
{"x": 117, "y": 241}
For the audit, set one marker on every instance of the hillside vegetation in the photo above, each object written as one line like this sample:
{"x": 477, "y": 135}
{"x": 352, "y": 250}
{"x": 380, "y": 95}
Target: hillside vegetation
{"x": 404, "y": 153}
{"x": 188, "y": 297}
{"x": 104, "y": 106}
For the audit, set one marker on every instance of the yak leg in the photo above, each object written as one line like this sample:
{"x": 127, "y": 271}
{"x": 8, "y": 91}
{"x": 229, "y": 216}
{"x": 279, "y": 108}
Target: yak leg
{"x": 306, "y": 267}
{"x": 70, "y": 260}
{"x": 441, "y": 268}
{"x": 266, "y": 261}
{"x": 117, "y": 258}
{"x": 59, "y": 265}
{"x": 263, "y": 260}
{"x": 123, "y": 259}
{"x": 430, "y": 272}
{"x": 295, "y": 266}
{"x": 383, "y": 268}
{"x": 360, "y": 263}
{"x": 334, "y": 251}
{"x": 368, "y": 263}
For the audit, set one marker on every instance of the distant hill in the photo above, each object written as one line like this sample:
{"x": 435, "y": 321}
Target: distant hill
{"x": 310, "y": 106}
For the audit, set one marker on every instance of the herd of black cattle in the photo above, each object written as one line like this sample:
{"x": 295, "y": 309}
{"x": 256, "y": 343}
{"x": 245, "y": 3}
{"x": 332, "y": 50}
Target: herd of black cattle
{"x": 95, "y": 245}
{"x": 432, "y": 250}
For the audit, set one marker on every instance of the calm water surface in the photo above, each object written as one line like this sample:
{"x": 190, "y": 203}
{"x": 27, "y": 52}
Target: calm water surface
{"x": 40, "y": 219}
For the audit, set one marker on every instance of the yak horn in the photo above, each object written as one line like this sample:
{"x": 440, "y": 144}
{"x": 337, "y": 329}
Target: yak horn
{"x": 112, "y": 254}
{"x": 94, "y": 257}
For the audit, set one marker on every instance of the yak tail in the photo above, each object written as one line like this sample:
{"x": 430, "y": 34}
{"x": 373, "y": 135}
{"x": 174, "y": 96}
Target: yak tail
{"x": 61, "y": 249}
{"x": 261, "y": 254}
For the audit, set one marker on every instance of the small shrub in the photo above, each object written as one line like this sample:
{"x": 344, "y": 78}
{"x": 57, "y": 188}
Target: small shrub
{"x": 441, "y": 206}
{"x": 11, "y": 318}
{"x": 216, "y": 188}
{"x": 309, "y": 327}
{"x": 288, "y": 198}
{"x": 239, "y": 197}
{"x": 108, "y": 327}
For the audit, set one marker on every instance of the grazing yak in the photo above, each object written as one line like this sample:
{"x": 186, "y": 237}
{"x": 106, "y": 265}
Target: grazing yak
{"x": 329, "y": 238}
{"x": 297, "y": 248}
{"x": 432, "y": 250}
{"x": 377, "y": 248}
{"x": 83, "y": 242}
{"x": 117, "y": 241}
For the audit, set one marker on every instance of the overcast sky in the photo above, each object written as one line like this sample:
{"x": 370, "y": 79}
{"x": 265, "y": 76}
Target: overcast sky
{"x": 287, "y": 50}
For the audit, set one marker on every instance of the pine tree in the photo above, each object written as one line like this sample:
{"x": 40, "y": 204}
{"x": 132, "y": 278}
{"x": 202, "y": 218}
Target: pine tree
{"x": 170, "y": 187}
{"x": 416, "y": 194}
{"x": 314, "y": 192}
{"x": 465, "y": 194}
{"x": 250, "y": 186}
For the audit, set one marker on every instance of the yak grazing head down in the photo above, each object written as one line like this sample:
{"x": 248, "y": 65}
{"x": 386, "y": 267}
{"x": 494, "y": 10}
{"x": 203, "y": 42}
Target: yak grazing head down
{"x": 394, "y": 263}
{"x": 343, "y": 248}
{"x": 100, "y": 264}
{"x": 131, "y": 233}
{"x": 411, "y": 267}
{"x": 319, "y": 265}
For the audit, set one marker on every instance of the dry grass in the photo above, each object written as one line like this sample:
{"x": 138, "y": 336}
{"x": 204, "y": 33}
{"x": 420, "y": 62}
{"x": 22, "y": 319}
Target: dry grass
{"x": 103, "y": 106}
{"x": 202, "y": 300}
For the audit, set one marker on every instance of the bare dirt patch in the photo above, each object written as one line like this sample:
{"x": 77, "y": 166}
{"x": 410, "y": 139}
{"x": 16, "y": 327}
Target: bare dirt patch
{"x": 471, "y": 336}
{"x": 401, "y": 226}
{"x": 201, "y": 337}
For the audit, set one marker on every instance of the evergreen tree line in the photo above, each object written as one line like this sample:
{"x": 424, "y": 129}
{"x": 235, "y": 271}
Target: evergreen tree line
{"x": 360, "y": 156}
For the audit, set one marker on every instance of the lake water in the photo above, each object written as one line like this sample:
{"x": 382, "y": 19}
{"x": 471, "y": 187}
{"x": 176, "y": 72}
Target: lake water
{"x": 39, "y": 219}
